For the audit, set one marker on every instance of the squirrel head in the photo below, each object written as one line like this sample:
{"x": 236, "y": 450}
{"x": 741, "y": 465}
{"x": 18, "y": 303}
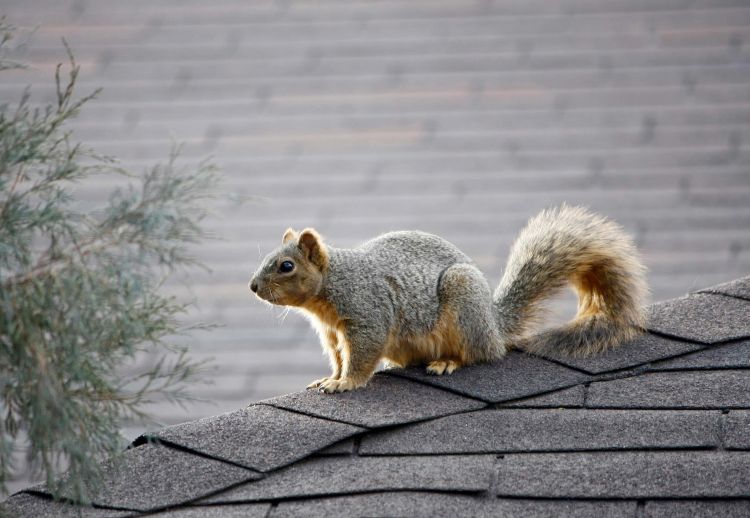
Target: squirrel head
{"x": 292, "y": 275}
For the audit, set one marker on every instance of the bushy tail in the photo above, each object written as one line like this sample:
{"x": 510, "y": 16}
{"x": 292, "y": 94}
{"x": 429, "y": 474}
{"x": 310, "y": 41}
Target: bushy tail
{"x": 571, "y": 245}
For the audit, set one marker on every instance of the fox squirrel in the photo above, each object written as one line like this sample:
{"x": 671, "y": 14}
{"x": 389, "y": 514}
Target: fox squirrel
{"x": 411, "y": 297}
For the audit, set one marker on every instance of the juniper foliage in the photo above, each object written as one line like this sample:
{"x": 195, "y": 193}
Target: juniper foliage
{"x": 80, "y": 291}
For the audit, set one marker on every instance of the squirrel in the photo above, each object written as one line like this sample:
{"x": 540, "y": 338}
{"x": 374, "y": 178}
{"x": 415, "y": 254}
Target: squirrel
{"x": 409, "y": 297}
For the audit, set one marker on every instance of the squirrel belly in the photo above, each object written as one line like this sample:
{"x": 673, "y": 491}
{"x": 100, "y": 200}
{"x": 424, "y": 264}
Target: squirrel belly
{"x": 414, "y": 298}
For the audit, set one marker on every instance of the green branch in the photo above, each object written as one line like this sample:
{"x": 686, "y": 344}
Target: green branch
{"x": 79, "y": 292}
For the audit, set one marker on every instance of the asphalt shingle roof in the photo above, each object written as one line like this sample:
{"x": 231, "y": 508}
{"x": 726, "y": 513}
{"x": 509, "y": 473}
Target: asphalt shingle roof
{"x": 666, "y": 433}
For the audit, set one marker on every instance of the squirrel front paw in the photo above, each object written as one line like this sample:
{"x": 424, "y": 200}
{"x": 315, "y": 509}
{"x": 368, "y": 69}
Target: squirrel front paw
{"x": 317, "y": 383}
{"x": 339, "y": 385}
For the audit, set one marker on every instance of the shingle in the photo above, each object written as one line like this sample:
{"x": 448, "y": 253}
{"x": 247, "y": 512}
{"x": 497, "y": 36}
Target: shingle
{"x": 386, "y": 400}
{"x": 683, "y": 508}
{"x": 692, "y": 389}
{"x": 702, "y": 317}
{"x": 24, "y": 505}
{"x": 323, "y": 476}
{"x": 428, "y": 505}
{"x": 737, "y": 430}
{"x": 569, "y": 397}
{"x": 739, "y": 288}
{"x": 644, "y": 349}
{"x": 516, "y": 430}
{"x": 625, "y": 474}
{"x": 260, "y": 437}
{"x": 154, "y": 476}
{"x": 218, "y": 511}
{"x": 736, "y": 354}
{"x": 515, "y": 376}
{"x": 345, "y": 447}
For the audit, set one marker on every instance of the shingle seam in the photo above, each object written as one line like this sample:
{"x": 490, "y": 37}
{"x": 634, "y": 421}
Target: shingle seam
{"x": 702, "y": 368}
{"x": 179, "y": 505}
{"x": 296, "y": 498}
{"x": 139, "y": 441}
{"x": 620, "y": 374}
{"x": 500, "y": 453}
{"x": 731, "y": 295}
{"x": 516, "y": 401}
{"x": 318, "y": 416}
{"x": 705, "y": 344}
{"x": 530, "y": 406}
{"x": 630, "y": 499}
{"x": 561, "y": 363}
{"x": 721, "y": 429}
{"x": 644, "y": 370}
{"x": 393, "y": 374}
{"x": 177, "y": 446}
{"x": 682, "y": 338}
{"x": 47, "y": 496}
{"x": 268, "y": 471}
{"x": 624, "y": 498}
{"x": 636, "y": 366}
{"x": 580, "y": 499}
{"x": 707, "y": 347}
{"x": 494, "y": 476}
{"x": 192, "y": 506}
{"x": 176, "y": 507}
{"x": 201, "y": 497}
{"x": 645, "y": 407}
{"x": 473, "y": 396}
{"x": 396, "y": 426}
{"x": 725, "y": 295}
{"x": 577, "y": 498}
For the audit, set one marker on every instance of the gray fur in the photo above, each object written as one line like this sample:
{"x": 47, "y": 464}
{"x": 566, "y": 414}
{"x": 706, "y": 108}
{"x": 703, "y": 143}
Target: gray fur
{"x": 465, "y": 288}
{"x": 391, "y": 279}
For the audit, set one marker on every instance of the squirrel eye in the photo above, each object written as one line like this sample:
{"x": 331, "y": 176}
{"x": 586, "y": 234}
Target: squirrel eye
{"x": 286, "y": 267}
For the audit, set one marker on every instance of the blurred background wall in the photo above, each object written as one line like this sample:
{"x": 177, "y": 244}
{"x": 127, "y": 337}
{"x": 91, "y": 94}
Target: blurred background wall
{"x": 461, "y": 118}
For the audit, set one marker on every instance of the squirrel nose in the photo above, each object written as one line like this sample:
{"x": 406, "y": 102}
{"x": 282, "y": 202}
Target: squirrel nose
{"x": 254, "y": 286}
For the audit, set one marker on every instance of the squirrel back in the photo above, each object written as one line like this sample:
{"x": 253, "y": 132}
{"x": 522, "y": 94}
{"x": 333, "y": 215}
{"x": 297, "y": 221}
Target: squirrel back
{"x": 394, "y": 275}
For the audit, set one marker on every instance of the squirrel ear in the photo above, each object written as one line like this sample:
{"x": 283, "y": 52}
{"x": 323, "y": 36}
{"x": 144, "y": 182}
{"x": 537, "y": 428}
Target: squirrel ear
{"x": 289, "y": 235}
{"x": 312, "y": 245}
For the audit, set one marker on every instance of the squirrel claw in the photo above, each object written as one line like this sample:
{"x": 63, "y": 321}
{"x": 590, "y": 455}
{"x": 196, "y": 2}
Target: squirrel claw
{"x": 337, "y": 385}
{"x": 318, "y": 383}
{"x": 440, "y": 367}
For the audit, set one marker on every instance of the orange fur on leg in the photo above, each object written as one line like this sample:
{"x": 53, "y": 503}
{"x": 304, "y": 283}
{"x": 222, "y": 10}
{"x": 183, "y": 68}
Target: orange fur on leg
{"x": 443, "y": 348}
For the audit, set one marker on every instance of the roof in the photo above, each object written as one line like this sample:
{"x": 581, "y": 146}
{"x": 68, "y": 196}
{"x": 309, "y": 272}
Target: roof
{"x": 658, "y": 427}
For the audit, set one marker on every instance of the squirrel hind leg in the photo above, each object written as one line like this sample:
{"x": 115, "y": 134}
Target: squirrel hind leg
{"x": 472, "y": 333}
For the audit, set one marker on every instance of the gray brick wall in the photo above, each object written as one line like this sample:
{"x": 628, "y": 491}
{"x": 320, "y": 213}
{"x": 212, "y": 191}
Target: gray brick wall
{"x": 461, "y": 118}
